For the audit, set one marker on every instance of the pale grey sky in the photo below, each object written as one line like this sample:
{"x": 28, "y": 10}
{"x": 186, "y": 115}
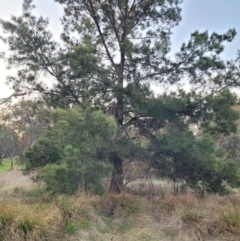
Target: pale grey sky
{"x": 211, "y": 15}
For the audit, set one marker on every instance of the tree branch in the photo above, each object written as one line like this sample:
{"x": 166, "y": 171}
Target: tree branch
{"x": 11, "y": 96}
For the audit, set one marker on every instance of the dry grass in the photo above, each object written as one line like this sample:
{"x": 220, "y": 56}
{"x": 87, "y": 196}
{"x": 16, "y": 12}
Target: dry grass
{"x": 28, "y": 213}
{"x": 149, "y": 187}
{"x": 11, "y": 180}
{"x": 19, "y": 221}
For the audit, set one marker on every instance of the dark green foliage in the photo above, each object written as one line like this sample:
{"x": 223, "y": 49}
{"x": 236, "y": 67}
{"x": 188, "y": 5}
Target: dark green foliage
{"x": 218, "y": 116}
{"x": 182, "y": 157}
{"x": 176, "y": 151}
{"x": 61, "y": 179}
{"x": 68, "y": 151}
{"x": 93, "y": 176}
{"x": 64, "y": 179}
{"x": 41, "y": 154}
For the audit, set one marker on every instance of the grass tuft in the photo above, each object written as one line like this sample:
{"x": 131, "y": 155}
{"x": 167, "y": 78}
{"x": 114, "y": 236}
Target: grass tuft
{"x": 28, "y": 222}
{"x": 230, "y": 219}
{"x": 71, "y": 228}
{"x": 192, "y": 215}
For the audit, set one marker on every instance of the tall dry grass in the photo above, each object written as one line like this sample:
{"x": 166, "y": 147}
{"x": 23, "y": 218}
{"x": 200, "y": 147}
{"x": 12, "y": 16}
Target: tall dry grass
{"x": 146, "y": 212}
{"x": 19, "y": 221}
{"x": 15, "y": 179}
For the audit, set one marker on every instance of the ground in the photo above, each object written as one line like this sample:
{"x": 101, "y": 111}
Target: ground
{"x": 142, "y": 213}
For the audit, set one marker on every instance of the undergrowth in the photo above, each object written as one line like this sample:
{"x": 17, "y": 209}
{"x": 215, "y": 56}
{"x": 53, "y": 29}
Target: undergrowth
{"x": 32, "y": 214}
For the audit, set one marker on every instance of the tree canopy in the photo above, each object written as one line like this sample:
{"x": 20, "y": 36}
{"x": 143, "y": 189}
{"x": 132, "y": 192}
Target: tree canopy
{"x": 112, "y": 54}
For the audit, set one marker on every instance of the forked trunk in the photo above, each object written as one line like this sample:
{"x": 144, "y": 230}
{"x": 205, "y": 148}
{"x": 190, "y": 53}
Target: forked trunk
{"x": 116, "y": 185}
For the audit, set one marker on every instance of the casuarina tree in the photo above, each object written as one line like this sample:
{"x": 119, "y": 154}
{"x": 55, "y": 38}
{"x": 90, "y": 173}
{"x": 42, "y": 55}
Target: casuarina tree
{"x": 113, "y": 52}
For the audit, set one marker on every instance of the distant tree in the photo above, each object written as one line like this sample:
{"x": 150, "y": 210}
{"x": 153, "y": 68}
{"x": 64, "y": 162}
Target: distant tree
{"x": 29, "y": 119}
{"x": 113, "y": 53}
{"x": 8, "y": 142}
{"x": 21, "y": 125}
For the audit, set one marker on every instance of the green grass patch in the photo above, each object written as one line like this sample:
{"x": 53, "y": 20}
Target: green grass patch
{"x": 71, "y": 228}
{"x": 6, "y": 165}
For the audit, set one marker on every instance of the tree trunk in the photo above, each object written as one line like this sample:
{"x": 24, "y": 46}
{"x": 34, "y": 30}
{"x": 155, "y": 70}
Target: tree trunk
{"x": 116, "y": 185}
{"x": 1, "y": 160}
{"x": 11, "y": 158}
{"x": 2, "y": 156}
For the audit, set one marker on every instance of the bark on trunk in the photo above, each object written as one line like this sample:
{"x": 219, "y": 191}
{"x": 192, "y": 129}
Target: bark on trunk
{"x": 116, "y": 185}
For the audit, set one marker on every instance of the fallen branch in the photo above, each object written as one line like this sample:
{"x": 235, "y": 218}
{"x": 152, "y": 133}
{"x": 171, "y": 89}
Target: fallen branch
{"x": 11, "y": 96}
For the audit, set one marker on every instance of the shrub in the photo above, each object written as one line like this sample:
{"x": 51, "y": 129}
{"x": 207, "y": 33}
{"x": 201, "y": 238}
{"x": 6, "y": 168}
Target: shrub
{"x": 59, "y": 178}
{"x": 68, "y": 152}
{"x": 62, "y": 179}
{"x": 42, "y": 153}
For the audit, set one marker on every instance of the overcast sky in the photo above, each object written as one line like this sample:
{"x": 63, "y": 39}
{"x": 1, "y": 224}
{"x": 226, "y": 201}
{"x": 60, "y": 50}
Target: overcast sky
{"x": 211, "y": 15}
